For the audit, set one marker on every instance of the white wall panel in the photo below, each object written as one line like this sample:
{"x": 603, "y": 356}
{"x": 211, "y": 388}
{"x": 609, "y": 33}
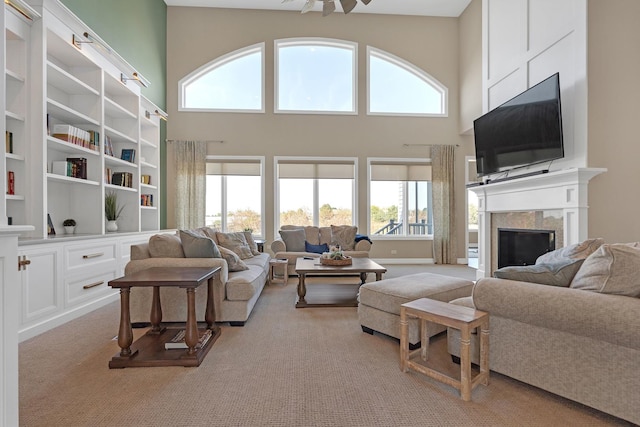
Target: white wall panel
{"x": 507, "y": 88}
{"x": 549, "y": 20}
{"x": 507, "y": 43}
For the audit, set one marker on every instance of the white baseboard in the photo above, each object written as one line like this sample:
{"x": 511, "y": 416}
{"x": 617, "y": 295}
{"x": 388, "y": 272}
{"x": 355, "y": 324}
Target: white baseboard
{"x": 413, "y": 261}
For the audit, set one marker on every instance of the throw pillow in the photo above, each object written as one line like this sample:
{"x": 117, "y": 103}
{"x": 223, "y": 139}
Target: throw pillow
{"x": 576, "y": 251}
{"x": 293, "y": 239}
{"x": 165, "y": 246}
{"x": 235, "y": 242}
{"x": 252, "y": 243}
{"x": 197, "y": 246}
{"x": 233, "y": 260}
{"x": 612, "y": 269}
{"x": 556, "y": 274}
{"x": 345, "y": 236}
{"x": 316, "y": 249}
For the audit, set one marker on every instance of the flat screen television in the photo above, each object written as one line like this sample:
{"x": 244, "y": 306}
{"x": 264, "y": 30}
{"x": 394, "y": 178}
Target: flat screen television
{"x": 523, "y": 131}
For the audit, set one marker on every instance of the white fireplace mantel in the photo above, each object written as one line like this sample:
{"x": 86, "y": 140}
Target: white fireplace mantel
{"x": 565, "y": 190}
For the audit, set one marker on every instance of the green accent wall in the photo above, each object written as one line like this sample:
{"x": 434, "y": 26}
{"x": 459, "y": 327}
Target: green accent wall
{"x": 137, "y": 30}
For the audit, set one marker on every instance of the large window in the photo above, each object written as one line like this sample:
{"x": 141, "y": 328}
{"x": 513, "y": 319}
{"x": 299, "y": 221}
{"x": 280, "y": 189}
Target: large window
{"x": 400, "y": 198}
{"x": 315, "y": 75}
{"x": 233, "y": 82}
{"x": 313, "y": 191}
{"x": 397, "y": 87}
{"x": 234, "y": 194}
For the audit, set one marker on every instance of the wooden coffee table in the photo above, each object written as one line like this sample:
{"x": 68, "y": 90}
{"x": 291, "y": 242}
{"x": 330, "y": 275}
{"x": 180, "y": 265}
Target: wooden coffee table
{"x": 360, "y": 267}
{"x": 149, "y": 350}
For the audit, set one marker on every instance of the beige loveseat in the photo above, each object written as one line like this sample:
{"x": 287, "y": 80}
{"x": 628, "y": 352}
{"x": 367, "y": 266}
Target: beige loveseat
{"x": 296, "y": 242}
{"x": 578, "y": 336}
{"x": 235, "y": 292}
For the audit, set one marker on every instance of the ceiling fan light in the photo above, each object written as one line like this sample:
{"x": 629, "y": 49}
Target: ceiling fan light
{"x": 348, "y": 5}
{"x": 328, "y": 7}
{"x": 308, "y": 6}
{"x": 366, "y": 1}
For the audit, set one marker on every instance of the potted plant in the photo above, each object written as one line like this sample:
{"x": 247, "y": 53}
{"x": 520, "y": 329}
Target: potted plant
{"x": 111, "y": 210}
{"x": 69, "y": 225}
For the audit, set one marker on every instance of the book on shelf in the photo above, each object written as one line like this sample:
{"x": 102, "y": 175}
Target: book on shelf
{"x": 123, "y": 179}
{"x": 146, "y": 200}
{"x": 72, "y": 135}
{"x": 11, "y": 184}
{"x": 107, "y": 175}
{"x": 78, "y": 167}
{"x": 108, "y": 146}
{"x": 94, "y": 140}
{"x": 145, "y": 179}
{"x": 128, "y": 154}
{"x": 177, "y": 342}
{"x": 50, "y": 230}
{"x": 9, "y": 142}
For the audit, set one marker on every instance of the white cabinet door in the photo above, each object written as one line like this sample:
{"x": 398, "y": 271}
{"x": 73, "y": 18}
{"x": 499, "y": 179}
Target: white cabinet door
{"x": 41, "y": 287}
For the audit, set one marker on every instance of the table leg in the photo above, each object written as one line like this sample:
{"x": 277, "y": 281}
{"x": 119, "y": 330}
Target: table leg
{"x": 484, "y": 351}
{"x": 465, "y": 363}
{"x": 191, "y": 335}
{"x": 302, "y": 289}
{"x": 156, "y": 311}
{"x": 125, "y": 333}
{"x": 378, "y": 276}
{"x": 363, "y": 278}
{"x": 404, "y": 339}
{"x": 424, "y": 339}
{"x": 210, "y": 313}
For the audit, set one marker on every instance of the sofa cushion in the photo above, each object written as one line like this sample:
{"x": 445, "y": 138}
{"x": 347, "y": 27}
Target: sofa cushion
{"x": 236, "y": 242}
{"x": 325, "y": 235}
{"x": 243, "y": 285}
{"x": 611, "y": 269}
{"x": 576, "y": 251}
{"x": 252, "y": 243}
{"x": 559, "y": 273}
{"x": 233, "y": 260}
{"x": 344, "y": 235}
{"x": 198, "y": 246}
{"x": 165, "y": 246}
{"x": 316, "y": 249}
{"x": 293, "y": 239}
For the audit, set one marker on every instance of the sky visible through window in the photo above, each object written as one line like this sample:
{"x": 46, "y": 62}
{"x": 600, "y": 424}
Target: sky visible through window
{"x": 315, "y": 78}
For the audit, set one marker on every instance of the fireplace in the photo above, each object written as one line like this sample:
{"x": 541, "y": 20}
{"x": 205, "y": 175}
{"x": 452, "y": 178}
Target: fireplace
{"x": 563, "y": 191}
{"x": 523, "y": 247}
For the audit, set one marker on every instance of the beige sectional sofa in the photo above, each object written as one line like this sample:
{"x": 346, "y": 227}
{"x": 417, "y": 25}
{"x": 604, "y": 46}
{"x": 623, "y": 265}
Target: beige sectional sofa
{"x": 578, "y": 337}
{"x": 235, "y": 292}
{"x": 299, "y": 241}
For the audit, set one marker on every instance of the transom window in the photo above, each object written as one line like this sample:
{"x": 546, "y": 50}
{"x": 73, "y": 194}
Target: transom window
{"x": 315, "y": 75}
{"x": 233, "y": 82}
{"x": 397, "y": 87}
{"x": 235, "y": 188}
{"x": 400, "y": 198}
{"x": 314, "y": 191}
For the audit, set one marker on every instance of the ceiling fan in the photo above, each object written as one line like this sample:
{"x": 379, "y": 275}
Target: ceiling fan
{"x": 328, "y": 6}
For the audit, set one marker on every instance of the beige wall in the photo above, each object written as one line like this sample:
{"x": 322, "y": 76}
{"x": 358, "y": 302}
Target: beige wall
{"x": 198, "y": 35}
{"x": 470, "y": 74}
{"x": 614, "y": 91}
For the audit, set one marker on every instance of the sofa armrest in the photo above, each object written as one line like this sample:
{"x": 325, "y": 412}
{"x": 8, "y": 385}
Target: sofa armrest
{"x": 278, "y": 246}
{"x": 363, "y": 245}
{"x": 143, "y": 264}
{"x": 605, "y": 317}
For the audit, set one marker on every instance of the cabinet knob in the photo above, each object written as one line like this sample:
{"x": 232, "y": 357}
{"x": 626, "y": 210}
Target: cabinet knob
{"x": 23, "y": 262}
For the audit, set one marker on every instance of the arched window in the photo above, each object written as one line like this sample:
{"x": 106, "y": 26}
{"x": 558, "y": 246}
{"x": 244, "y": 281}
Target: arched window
{"x": 316, "y": 75}
{"x": 233, "y": 82}
{"x": 396, "y": 87}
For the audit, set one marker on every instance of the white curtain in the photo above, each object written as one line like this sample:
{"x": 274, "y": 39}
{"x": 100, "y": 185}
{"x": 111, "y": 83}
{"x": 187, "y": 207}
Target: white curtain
{"x": 191, "y": 172}
{"x": 444, "y": 233}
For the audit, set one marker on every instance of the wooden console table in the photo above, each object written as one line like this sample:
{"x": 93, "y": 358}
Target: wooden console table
{"x": 455, "y": 316}
{"x": 149, "y": 350}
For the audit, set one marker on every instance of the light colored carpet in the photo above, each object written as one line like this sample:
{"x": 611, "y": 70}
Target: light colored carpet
{"x": 286, "y": 367}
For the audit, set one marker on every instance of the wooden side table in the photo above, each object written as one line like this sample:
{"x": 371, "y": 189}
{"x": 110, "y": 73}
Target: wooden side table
{"x": 283, "y": 263}
{"x": 455, "y": 316}
{"x": 149, "y": 350}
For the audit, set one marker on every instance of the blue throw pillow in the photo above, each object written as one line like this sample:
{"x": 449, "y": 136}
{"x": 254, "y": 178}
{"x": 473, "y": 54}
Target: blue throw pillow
{"x": 316, "y": 249}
